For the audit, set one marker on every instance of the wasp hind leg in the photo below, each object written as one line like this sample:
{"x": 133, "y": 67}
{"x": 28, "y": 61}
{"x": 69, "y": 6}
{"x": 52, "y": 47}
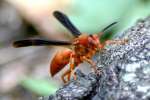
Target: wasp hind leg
{"x": 70, "y": 71}
{"x": 72, "y": 67}
{"x": 67, "y": 73}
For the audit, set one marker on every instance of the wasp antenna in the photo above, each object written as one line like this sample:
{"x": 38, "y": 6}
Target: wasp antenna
{"x": 109, "y": 26}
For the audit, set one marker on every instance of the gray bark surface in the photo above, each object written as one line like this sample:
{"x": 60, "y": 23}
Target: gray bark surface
{"x": 126, "y": 71}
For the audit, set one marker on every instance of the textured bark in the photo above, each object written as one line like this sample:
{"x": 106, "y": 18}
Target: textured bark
{"x": 126, "y": 71}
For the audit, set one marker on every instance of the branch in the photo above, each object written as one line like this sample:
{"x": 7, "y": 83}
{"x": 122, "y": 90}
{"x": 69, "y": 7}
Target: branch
{"x": 126, "y": 71}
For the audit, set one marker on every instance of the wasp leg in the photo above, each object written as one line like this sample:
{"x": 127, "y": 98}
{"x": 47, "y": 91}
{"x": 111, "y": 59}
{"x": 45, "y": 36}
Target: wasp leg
{"x": 97, "y": 71}
{"x": 90, "y": 62}
{"x": 109, "y": 42}
{"x": 67, "y": 73}
{"x": 72, "y": 67}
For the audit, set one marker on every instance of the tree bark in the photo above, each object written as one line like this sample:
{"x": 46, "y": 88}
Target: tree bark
{"x": 126, "y": 71}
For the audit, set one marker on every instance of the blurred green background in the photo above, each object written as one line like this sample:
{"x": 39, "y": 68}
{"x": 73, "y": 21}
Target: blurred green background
{"x": 24, "y": 72}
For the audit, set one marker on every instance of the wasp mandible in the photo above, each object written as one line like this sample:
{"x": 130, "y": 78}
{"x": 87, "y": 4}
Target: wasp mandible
{"x": 83, "y": 47}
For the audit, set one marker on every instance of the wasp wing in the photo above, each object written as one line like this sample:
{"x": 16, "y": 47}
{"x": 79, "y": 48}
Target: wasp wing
{"x": 63, "y": 19}
{"x": 39, "y": 42}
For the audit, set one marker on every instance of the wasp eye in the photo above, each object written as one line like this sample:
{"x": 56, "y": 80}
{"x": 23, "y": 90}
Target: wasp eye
{"x": 91, "y": 35}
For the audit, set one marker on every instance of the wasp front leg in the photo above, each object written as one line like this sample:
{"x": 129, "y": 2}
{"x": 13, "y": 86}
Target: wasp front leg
{"x": 118, "y": 42}
{"x": 92, "y": 63}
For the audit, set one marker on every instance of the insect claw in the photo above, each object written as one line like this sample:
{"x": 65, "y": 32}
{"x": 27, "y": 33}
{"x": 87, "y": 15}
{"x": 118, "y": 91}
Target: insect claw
{"x": 64, "y": 81}
{"x": 126, "y": 40}
{"x": 75, "y": 76}
{"x": 99, "y": 71}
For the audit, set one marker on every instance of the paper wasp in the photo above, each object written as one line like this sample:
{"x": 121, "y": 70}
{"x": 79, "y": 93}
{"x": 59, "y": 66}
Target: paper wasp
{"x": 83, "y": 47}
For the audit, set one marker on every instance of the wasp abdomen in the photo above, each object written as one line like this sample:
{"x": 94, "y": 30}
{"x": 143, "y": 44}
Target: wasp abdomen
{"x": 59, "y": 61}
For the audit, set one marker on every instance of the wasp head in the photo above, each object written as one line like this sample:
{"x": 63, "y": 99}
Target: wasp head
{"x": 94, "y": 41}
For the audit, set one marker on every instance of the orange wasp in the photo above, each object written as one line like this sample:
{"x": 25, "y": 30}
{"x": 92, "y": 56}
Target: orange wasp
{"x": 83, "y": 47}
